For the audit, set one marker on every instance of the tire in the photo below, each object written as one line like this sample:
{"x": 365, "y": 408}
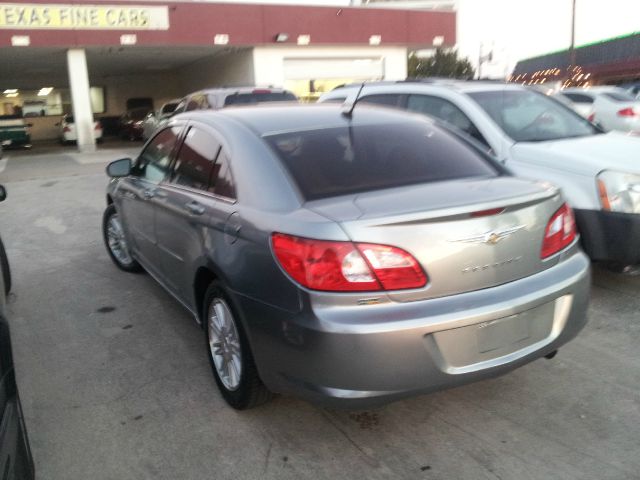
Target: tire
{"x": 6, "y": 269}
{"x": 115, "y": 242}
{"x": 244, "y": 390}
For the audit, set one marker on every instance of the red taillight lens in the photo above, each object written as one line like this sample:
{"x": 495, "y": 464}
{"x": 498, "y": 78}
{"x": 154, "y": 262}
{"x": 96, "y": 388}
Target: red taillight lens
{"x": 97, "y": 126}
{"x": 626, "y": 112}
{"x": 346, "y": 266}
{"x": 591, "y": 117}
{"x": 560, "y": 232}
{"x": 66, "y": 129}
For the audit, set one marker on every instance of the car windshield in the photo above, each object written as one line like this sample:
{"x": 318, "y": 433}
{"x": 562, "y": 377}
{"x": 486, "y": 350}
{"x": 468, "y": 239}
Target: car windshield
{"x": 345, "y": 160}
{"x": 528, "y": 116}
{"x": 169, "y": 108}
{"x": 258, "y": 97}
{"x": 620, "y": 96}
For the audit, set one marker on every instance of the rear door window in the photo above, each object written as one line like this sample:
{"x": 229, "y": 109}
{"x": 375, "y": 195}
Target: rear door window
{"x": 620, "y": 96}
{"x": 195, "y": 160}
{"x": 221, "y": 180}
{"x": 345, "y": 160}
{"x": 578, "y": 98}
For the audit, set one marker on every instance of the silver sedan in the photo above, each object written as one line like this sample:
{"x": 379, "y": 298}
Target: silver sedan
{"x": 349, "y": 258}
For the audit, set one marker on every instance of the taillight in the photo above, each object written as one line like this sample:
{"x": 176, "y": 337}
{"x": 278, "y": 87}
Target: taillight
{"x": 626, "y": 112}
{"x": 346, "y": 266}
{"x": 560, "y": 232}
{"x": 97, "y": 126}
{"x": 591, "y": 117}
{"x": 66, "y": 129}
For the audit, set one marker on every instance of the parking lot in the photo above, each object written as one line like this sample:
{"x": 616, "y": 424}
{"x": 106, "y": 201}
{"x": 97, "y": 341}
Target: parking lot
{"x": 115, "y": 382}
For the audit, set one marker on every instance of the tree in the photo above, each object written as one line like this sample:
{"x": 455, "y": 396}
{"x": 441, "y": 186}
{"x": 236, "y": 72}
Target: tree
{"x": 443, "y": 63}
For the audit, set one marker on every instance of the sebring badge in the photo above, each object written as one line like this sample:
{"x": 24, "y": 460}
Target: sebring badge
{"x": 492, "y": 237}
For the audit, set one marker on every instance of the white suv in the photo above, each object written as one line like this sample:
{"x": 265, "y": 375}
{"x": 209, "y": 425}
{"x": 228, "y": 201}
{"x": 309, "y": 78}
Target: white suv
{"x": 540, "y": 138}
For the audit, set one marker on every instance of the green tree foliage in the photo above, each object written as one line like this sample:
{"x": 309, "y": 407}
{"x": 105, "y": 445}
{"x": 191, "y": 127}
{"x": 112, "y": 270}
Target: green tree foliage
{"x": 443, "y": 63}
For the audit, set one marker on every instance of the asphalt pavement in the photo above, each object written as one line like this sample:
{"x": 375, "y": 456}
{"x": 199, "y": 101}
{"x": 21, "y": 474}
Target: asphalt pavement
{"x": 115, "y": 382}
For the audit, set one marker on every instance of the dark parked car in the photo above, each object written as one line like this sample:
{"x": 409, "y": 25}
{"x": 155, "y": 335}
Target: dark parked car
{"x": 16, "y": 462}
{"x": 347, "y": 258}
{"x": 217, "y": 98}
{"x": 132, "y": 123}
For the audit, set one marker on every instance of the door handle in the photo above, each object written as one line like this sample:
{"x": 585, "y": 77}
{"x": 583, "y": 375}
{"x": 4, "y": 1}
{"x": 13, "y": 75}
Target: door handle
{"x": 194, "y": 208}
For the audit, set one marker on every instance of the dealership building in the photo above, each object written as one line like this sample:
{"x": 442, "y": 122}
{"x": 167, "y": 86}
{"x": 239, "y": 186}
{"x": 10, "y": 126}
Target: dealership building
{"x": 101, "y": 58}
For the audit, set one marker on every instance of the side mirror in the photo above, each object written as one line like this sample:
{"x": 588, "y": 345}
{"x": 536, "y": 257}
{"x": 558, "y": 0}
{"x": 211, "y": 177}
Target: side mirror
{"x": 119, "y": 168}
{"x": 3, "y": 193}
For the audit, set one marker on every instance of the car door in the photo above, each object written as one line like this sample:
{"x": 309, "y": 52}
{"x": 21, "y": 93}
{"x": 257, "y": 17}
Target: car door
{"x": 184, "y": 210}
{"x": 15, "y": 455}
{"x": 137, "y": 195}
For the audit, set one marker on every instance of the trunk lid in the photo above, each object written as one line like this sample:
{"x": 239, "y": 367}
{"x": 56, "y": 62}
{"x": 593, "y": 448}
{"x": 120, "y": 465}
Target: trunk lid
{"x": 436, "y": 223}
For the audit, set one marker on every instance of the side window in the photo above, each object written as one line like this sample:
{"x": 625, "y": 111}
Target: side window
{"x": 446, "y": 111}
{"x": 221, "y": 179}
{"x": 387, "y": 99}
{"x": 153, "y": 162}
{"x": 578, "y": 97}
{"x": 195, "y": 160}
{"x": 194, "y": 103}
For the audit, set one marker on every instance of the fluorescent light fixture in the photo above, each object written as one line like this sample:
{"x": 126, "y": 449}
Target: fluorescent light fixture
{"x": 45, "y": 91}
{"x": 304, "y": 39}
{"x": 20, "y": 41}
{"x": 11, "y": 95}
{"x": 10, "y": 90}
{"x": 221, "y": 39}
{"x": 128, "y": 39}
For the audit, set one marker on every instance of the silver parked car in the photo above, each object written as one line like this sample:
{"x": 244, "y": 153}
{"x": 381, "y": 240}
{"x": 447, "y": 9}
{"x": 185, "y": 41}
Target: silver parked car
{"x": 347, "y": 258}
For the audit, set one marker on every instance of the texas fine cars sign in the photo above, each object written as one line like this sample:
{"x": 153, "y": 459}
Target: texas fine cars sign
{"x": 84, "y": 17}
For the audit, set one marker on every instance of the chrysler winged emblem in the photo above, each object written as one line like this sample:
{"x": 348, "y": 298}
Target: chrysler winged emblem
{"x": 491, "y": 237}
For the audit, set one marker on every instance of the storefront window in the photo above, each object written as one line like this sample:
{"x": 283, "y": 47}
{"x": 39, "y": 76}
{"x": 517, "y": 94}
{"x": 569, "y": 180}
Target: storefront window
{"x": 46, "y": 101}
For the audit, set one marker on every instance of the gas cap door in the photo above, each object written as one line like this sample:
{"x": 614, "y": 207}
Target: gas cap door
{"x": 232, "y": 228}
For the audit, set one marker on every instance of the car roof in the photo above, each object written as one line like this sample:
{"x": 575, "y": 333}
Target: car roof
{"x": 447, "y": 83}
{"x": 268, "y": 119}
{"x": 244, "y": 89}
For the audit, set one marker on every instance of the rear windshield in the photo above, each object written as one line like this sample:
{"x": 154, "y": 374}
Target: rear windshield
{"x": 345, "y": 160}
{"x": 249, "y": 98}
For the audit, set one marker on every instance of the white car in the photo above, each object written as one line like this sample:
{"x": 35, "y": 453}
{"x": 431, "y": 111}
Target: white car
{"x": 68, "y": 134}
{"x": 613, "y": 108}
{"x": 537, "y": 137}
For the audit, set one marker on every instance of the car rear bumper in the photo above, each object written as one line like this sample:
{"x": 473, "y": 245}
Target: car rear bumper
{"x": 610, "y": 236}
{"x": 359, "y": 356}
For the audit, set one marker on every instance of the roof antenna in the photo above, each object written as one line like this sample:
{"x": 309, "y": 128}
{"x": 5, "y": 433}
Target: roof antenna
{"x": 347, "y": 107}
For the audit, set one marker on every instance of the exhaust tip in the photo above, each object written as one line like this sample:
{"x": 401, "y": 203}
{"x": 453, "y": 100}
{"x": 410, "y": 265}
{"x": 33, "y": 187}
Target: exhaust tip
{"x": 549, "y": 356}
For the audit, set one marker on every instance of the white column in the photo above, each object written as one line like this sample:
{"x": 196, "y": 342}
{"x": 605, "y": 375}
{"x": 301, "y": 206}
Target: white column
{"x": 81, "y": 99}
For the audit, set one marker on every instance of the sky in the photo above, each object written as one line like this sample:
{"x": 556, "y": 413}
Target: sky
{"x": 518, "y": 29}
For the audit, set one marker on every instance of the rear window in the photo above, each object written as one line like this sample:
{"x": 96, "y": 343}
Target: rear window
{"x": 252, "y": 98}
{"x": 345, "y": 160}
